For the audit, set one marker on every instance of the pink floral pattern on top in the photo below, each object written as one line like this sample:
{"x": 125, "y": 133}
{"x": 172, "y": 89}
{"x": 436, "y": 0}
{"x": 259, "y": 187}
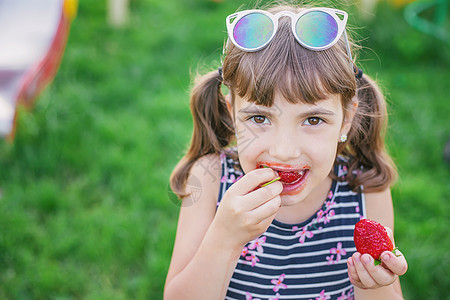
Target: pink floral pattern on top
{"x": 303, "y": 234}
{"x": 257, "y": 243}
{"x": 248, "y": 296}
{"x": 339, "y": 251}
{"x": 346, "y": 296}
{"x": 227, "y": 177}
{"x": 231, "y": 179}
{"x": 320, "y": 214}
{"x": 279, "y": 283}
{"x": 264, "y": 251}
{"x": 251, "y": 256}
{"x": 322, "y": 296}
{"x": 276, "y": 297}
{"x": 327, "y": 217}
{"x": 323, "y": 216}
{"x": 342, "y": 173}
{"x": 330, "y": 259}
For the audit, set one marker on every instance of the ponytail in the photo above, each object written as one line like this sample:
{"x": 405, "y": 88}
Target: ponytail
{"x": 371, "y": 165}
{"x": 213, "y": 127}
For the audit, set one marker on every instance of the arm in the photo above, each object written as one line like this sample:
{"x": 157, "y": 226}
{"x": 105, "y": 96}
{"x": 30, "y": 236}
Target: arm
{"x": 378, "y": 282}
{"x": 189, "y": 262}
{"x": 208, "y": 243}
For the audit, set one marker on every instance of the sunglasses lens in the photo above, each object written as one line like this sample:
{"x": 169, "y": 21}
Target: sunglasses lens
{"x": 316, "y": 29}
{"x": 253, "y": 31}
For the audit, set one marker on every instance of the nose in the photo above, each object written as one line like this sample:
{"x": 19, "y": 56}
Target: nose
{"x": 285, "y": 145}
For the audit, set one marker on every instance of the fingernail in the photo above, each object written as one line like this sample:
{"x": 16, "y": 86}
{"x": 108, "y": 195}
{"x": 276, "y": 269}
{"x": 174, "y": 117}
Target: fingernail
{"x": 350, "y": 262}
{"x": 367, "y": 259}
{"x": 385, "y": 257}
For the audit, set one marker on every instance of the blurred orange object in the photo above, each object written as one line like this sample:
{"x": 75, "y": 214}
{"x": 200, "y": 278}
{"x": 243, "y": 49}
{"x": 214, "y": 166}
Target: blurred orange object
{"x": 400, "y": 3}
{"x": 33, "y": 35}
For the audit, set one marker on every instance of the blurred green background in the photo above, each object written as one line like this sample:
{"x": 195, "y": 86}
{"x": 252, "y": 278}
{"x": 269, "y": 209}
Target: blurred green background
{"x": 84, "y": 205}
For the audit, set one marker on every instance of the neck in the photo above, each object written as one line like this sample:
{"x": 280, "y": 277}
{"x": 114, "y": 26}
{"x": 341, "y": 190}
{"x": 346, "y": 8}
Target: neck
{"x": 303, "y": 210}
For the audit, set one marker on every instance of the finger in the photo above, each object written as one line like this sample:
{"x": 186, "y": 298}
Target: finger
{"x": 364, "y": 276}
{"x": 266, "y": 193}
{"x": 259, "y": 197}
{"x": 266, "y": 211}
{"x": 252, "y": 180}
{"x": 396, "y": 263}
{"x": 378, "y": 273}
{"x": 352, "y": 273}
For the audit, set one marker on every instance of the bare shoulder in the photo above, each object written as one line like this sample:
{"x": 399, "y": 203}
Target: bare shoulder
{"x": 197, "y": 210}
{"x": 202, "y": 186}
{"x": 208, "y": 166}
{"x": 379, "y": 207}
{"x": 204, "y": 178}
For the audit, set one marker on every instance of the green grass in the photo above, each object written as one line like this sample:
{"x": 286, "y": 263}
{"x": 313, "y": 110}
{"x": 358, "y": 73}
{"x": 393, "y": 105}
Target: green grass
{"x": 84, "y": 207}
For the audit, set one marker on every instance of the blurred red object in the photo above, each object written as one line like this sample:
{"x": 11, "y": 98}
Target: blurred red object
{"x": 33, "y": 36}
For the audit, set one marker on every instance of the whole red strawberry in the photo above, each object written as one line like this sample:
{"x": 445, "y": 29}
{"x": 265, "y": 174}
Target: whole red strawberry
{"x": 371, "y": 237}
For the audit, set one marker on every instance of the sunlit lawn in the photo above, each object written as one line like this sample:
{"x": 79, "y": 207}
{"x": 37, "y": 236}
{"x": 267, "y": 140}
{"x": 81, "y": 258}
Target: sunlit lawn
{"x": 84, "y": 207}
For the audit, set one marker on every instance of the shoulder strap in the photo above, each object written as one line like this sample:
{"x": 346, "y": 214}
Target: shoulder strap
{"x": 231, "y": 172}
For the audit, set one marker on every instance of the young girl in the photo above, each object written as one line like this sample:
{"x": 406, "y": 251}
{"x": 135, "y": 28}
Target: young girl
{"x": 279, "y": 171}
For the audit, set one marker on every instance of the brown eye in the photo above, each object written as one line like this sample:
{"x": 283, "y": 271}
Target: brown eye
{"x": 313, "y": 121}
{"x": 259, "y": 119}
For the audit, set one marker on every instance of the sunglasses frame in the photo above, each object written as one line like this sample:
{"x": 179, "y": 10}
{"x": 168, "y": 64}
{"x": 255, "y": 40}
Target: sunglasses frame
{"x": 233, "y": 19}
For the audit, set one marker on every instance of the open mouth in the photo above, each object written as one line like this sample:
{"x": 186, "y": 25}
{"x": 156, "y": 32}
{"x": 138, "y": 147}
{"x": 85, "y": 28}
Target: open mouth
{"x": 293, "y": 179}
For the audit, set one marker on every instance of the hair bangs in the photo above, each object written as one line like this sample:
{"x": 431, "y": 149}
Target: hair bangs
{"x": 300, "y": 75}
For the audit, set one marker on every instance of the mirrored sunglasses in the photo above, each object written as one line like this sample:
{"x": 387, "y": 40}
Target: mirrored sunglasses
{"x": 315, "y": 28}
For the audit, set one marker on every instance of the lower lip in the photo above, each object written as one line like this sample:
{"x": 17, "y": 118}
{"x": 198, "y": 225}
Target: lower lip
{"x": 295, "y": 188}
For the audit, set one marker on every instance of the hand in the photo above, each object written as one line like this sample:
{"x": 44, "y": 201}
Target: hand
{"x": 246, "y": 211}
{"x": 363, "y": 272}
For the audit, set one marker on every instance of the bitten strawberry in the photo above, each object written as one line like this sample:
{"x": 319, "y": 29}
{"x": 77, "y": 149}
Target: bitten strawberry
{"x": 289, "y": 177}
{"x": 371, "y": 237}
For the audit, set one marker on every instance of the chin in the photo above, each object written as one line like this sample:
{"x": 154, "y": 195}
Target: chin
{"x": 290, "y": 200}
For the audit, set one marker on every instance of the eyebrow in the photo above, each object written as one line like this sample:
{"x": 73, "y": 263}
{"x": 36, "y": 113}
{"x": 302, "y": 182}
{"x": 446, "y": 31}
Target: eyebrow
{"x": 255, "y": 110}
{"x": 269, "y": 112}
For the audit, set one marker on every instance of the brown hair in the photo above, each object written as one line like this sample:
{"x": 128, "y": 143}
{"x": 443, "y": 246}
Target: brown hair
{"x": 301, "y": 76}
{"x": 370, "y": 165}
{"x": 213, "y": 127}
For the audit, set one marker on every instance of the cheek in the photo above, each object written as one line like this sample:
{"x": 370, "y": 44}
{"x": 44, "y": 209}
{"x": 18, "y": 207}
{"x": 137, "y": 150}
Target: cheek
{"x": 249, "y": 140}
{"x": 249, "y": 152}
{"x": 250, "y": 147}
{"x": 322, "y": 150}
{"x": 326, "y": 138}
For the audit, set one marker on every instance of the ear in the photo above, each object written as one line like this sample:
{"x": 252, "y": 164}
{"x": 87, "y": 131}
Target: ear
{"x": 348, "y": 117}
{"x": 229, "y": 106}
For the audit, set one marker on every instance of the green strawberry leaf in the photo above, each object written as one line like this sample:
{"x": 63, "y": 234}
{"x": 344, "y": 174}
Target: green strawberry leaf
{"x": 393, "y": 251}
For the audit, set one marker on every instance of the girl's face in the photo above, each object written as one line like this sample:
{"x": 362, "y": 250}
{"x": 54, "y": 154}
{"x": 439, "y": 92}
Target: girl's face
{"x": 299, "y": 141}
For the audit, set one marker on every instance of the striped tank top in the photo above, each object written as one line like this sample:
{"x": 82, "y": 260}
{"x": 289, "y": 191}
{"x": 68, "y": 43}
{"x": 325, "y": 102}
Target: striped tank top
{"x": 299, "y": 261}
